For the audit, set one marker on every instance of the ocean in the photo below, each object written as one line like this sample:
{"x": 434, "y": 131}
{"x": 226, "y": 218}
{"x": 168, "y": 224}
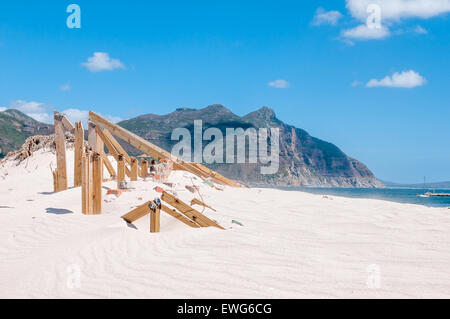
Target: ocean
{"x": 399, "y": 195}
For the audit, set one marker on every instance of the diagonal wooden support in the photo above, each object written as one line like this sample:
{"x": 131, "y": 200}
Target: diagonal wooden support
{"x": 155, "y": 151}
{"x": 109, "y": 166}
{"x": 110, "y": 146}
{"x": 196, "y": 201}
{"x": 173, "y": 212}
{"x": 67, "y": 123}
{"x": 188, "y": 211}
{"x": 117, "y": 145}
{"x": 137, "y": 213}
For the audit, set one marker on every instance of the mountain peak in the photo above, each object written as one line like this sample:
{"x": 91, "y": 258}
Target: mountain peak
{"x": 263, "y": 114}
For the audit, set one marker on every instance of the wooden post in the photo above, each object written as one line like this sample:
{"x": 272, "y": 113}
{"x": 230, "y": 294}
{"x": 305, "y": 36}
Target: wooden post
{"x": 78, "y": 152}
{"x": 120, "y": 170}
{"x": 60, "y": 141}
{"x": 134, "y": 169}
{"x": 154, "y": 218}
{"x": 144, "y": 168}
{"x": 85, "y": 185}
{"x": 97, "y": 176}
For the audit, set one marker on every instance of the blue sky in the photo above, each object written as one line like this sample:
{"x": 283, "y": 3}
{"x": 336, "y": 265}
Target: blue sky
{"x": 381, "y": 94}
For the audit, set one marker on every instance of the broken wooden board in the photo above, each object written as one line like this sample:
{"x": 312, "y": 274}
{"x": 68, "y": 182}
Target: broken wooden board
{"x": 173, "y": 212}
{"x": 188, "y": 211}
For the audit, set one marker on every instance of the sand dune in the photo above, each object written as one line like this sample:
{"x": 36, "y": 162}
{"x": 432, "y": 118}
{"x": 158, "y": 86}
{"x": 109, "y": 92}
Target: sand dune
{"x": 292, "y": 244}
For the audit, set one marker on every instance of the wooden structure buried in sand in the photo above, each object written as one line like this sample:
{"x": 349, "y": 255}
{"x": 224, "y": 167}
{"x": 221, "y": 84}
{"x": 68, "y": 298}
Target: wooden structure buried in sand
{"x": 181, "y": 211}
{"x": 89, "y": 162}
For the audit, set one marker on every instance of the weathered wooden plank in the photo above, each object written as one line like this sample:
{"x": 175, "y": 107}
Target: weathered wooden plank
{"x": 60, "y": 141}
{"x": 188, "y": 211}
{"x": 144, "y": 168}
{"x": 78, "y": 151}
{"x": 134, "y": 169}
{"x": 196, "y": 201}
{"x": 120, "y": 170}
{"x": 110, "y": 146}
{"x": 109, "y": 166}
{"x": 155, "y": 219}
{"x": 67, "y": 123}
{"x": 97, "y": 169}
{"x": 180, "y": 217}
{"x": 137, "y": 213}
{"x": 117, "y": 145}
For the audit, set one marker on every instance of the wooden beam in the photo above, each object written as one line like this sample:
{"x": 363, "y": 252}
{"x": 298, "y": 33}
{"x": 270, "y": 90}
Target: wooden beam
{"x": 97, "y": 168}
{"x": 137, "y": 213}
{"x": 109, "y": 166}
{"x": 137, "y": 141}
{"x": 134, "y": 169}
{"x": 60, "y": 141}
{"x": 67, "y": 123}
{"x": 151, "y": 149}
{"x": 196, "y": 201}
{"x": 188, "y": 211}
{"x": 155, "y": 219}
{"x": 78, "y": 152}
{"x": 120, "y": 170}
{"x": 110, "y": 146}
{"x": 180, "y": 217}
{"x": 117, "y": 145}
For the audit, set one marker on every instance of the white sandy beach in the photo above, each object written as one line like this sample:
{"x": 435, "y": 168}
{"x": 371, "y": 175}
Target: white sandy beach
{"x": 292, "y": 244}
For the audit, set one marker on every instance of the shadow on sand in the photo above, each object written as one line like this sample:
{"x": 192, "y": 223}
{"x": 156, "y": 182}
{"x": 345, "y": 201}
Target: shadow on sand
{"x": 58, "y": 211}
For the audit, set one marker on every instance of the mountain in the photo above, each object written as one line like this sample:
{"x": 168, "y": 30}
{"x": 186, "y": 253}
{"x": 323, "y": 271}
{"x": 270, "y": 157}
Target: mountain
{"x": 16, "y": 127}
{"x": 436, "y": 185}
{"x": 304, "y": 160}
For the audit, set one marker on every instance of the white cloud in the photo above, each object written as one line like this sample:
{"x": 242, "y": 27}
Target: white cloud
{"x": 279, "y": 84}
{"x": 405, "y": 79}
{"x": 363, "y": 32}
{"x": 65, "y": 87}
{"x": 398, "y": 9}
{"x": 420, "y": 30}
{"x": 101, "y": 61}
{"x": 3, "y": 109}
{"x": 76, "y": 115}
{"x": 356, "y": 83}
{"x": 44, "y": 113}
{"x": 36, "y": 110}
{"x": 326, "y": 17}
